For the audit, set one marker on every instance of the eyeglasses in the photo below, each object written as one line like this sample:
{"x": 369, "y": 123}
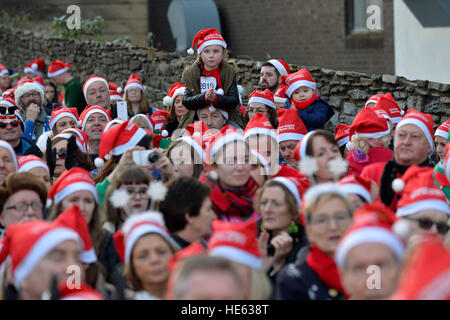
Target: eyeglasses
{"x": 427, "y": 224}
{"x": 29, "y": 95}
{"x": 340, "y": 218}
{"x": 22, "y": 206}
{"x": 13, "y": 124}
{"x": 62, "y": 153}
{"x": 7, "y": 110}
{"x": 141, "y": 192}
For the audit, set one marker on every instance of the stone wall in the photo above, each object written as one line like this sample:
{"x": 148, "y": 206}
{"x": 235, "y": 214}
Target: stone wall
{"x": 345, "y": 91}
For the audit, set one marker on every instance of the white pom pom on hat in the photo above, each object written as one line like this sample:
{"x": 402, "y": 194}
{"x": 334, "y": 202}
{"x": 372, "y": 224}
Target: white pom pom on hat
{"x": 350, "y": 145}
{"x": 99, "y": 162}
{"x": 220, "y": 91}
{"x": 190, "y": 51}
{"x": 164, "y": 133}
{"x": 398, "y": 185}
{"x": 401, "y": 228}
{"x": 212, "y": 108}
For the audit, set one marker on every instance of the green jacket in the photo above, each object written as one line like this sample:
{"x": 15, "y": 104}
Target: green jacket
{"x": 73, "y": 95}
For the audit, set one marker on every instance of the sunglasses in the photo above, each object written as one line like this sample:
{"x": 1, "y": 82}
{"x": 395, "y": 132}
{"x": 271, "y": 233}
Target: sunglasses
{"x": 7, "y": 110}
{"x": 13, "y": 124}
{"x": 62, "y": 153}
{"x": 427, "y": 224}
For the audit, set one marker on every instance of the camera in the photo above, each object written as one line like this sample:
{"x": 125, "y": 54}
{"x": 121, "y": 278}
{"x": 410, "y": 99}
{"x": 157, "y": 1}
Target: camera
{"x": 145, "y": 157}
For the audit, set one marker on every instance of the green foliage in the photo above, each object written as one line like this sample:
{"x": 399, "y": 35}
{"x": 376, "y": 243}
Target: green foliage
{"x": 13, "y": 21}
{"x": 90, "y": 29}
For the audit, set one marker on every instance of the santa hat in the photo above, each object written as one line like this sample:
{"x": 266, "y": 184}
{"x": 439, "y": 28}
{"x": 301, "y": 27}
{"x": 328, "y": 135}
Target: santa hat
{"x": 73, "y": 218}
{"x": 7, "y": 146}
{"x": 265, "y": 97}
{"x": 423, "y": 121}
{"x": 387, "y": 103}
{"x": 356, "y": 184}
{"x": 175, "y": 90}
{"x": 81, "y": 292}
{"x": 9, "y": 92}
{"x": 8, "y": 100}
{"x": 119, "y": 139}
{"x": 192, "y": 250}
{"x": 293, "y": 186}
{"x": 70, "y": 181}
{"x": 442, "y": 130}
{"x": 419, "y": 192}
{"x": 200, "y": 132}
{"x": 195, "y": 144}
{"x": 61, "y": 112}
{"x": 220, "y": 139}
{"x": 281, "y": 66}
{"x": 293, "y": 81}
{"x": 368, "y": 124}
{"x": 260, "y": 125}
{"x": 91, "y": 110}
{"x": 342, "y": 134}
{"x": 39, "y": 81}
{"x": 78, "y": 133}
{"x": 114, "y": 121}
{"x": 3, "y": 70}
{"x": 290, "y": 125}
{"x": 159, "y": 117}
{"x": 262, "y": 161}
{"x": 28, "y": 242}
{"x": 426, "y": 275}
{"x": 137, "y": 226}
{"x": 114, "y": 92}
{"x": 236, "y": 242}
{"x": 25, "y": 86}
{"x": 207, "y": 37}
{"x": 300, "y": 149}
{"x": 134, "y": 81}
{"x": 374, "y": 99}
{"x": 27, "y": 163}
{"x": 57, "y": 67}
{"x": 91, "y": 80}
{"x": 280, "y": 95}
{"x": 36, "y": 67}
{"x": 372, "y": 223}
{"x": 81, "y": 144}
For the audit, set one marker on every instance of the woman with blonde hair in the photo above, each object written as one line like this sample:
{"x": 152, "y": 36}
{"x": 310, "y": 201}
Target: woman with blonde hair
{"x": 135, "y": 97}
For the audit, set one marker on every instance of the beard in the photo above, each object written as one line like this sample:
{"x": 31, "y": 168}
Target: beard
{"x": 265, "y": 85}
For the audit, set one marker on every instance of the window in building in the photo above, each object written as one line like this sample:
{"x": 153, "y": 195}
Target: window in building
{"x": 364, "y": 16}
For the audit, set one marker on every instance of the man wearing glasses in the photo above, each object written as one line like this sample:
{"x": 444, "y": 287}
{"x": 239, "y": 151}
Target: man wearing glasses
{"x": 29, "y": 97}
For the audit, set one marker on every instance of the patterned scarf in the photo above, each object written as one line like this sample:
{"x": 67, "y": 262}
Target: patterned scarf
{"x": 304, "y": 104}
{"x": 232, "y": 204}
{"x": 326, "y": 268}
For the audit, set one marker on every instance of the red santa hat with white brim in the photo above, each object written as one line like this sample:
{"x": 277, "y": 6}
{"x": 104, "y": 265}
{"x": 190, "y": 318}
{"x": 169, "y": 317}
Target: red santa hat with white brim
{"x": 265, "y": 97}
{"x": 293, "y": 186}
{"x": 300, "y": 149}
{"x": 260, "y": 125}
{"x": 442, "y": 130}
{"x": 207, "y": 37}
{"x": 368, "y": 124}
{"x": 83, "y": 292}
{"x": 194, "y": 144}
{"x": 290, "y": 125}
{"x": 112, "y": 122}
{"x": 423, "y": 121}
{"x": 25, "y": 86}
{"x": 61, "y": 112}
{"x": 137, "y": 226}
{"x": 134, "y": 81}
{"x": 36, "y": 67}
{"x": 114, "y": 92}
{"x": 281, "y": 66}
{"x": 355, "y": 184}
{"x": 90, "y": 110}
{"x": 29, "y": 162}
{"x": 374, "y": 99}
{"x": 236, "y": 242}
{"x": 220, "y": 139}
{"x": 3, "y": 70}
{"x": 370, "y": 225}
{"x": 301, "y": 78}
{"x": 91, "y": 80}
{"x": 177, "y": 89}
{"x": 7, "y": 146}
{"x": 342, "y": 134}
{"x": 57, "y": 68}
{"x": 39, "y": 81}
{"x": 80, "y": 143}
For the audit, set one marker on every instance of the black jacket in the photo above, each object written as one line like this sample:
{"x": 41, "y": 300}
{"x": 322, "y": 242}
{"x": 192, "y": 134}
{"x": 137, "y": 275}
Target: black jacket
{"x": 108, "y": 256}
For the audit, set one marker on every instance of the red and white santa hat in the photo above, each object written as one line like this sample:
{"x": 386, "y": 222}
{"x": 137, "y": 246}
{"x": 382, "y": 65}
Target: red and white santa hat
{"x": 442, "y": 130}
{"x": 426, "y": 275}
{"x": 196, "y": 144}
{"x": 70, "y": 181}
{"x": 137, "y": 226}
{"x": 374, "y": 99}
{"x": 74, "y": 219}
{"x": 3, "y": 70}
{"x": 8, "y": 100}
{"x": 39, "y": 81}
{"x": 176, "y": 89}
{"x": 83, "y": 292}
{"x": 236, "y": 242}
{"x": 29, "y": 162}
{"x": 134, "y": 81}
{"x": 423, "y": 121}
{"x": 90, "y": 110}
{"x": 290, "y": 125}
{"x": 159, "y": 117}
{"x": 81, "y": 144}
{"x": 372, "y": 223}
{"x": 221, "y": 138}
{"x": 28, "y": 242}
{"x": 300, "y": 149}
{"x": 342, "y": 134}
{"x": 265, "y": 97}
{"x": 91, "y": 80}
{"x": 117, "y": 140}
{"x": 356, "y": 184}
{"x": 78, "y": 133}
{"x": 61, "y": 112}
{"x": 57, "y": 67}
{"x": 114, "y": 92}
{"x": 294, "y": 187}
{"x": 9, "y": 92}
{"x": 260, "y": 125}
{"x": 112, "y": 122}
{"x": 7, "y": 146}
{"x": 36, "y": 67}
{"x": 387, "y": 103}
{"x": 200, "y": 132}
{"x": 293, "y": 81}
{"x": 25, "y": 86}
{"x": 207, "y": 37}
{"x": 368, "y": 124}
{"x": 260, "y": 159}
{"x": 281, "y": 66}
{"x": 419, "y": 192}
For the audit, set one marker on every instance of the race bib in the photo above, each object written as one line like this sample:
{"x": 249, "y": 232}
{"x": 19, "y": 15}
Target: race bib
{"x": 206, "y": 83}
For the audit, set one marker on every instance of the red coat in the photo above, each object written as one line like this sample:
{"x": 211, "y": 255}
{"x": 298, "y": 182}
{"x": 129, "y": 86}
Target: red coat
{"x": 375, "y": 155}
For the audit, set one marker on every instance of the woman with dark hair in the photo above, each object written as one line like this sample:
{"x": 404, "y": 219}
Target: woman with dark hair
{"x": 50, "y": 96}
{"x": 174, "y": 103}
{"x": 187, "y": 211}
{"x": 262, "y": 101}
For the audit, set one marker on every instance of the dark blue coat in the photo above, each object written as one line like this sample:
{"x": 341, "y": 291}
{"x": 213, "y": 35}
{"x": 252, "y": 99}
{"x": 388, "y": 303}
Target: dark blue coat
{"x": 316, "y": 115}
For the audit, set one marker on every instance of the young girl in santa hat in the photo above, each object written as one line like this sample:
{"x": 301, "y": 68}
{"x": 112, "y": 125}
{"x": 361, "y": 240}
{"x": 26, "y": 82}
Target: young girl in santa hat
{"x": 210, "y": 81}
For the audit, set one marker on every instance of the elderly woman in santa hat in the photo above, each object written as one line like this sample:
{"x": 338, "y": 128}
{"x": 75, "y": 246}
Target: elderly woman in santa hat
{"x": 327, "y": 215}
{"x": 146, "y": 248}
{"x": 8, "y": 160}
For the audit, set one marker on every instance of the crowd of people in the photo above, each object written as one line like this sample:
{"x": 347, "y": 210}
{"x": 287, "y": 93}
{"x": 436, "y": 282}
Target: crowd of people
{"x": 212, "y": 199}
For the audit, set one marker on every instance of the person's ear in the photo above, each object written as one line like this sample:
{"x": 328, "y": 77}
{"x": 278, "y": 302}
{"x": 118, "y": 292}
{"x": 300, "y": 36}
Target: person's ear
{"x": 188, "y": 218}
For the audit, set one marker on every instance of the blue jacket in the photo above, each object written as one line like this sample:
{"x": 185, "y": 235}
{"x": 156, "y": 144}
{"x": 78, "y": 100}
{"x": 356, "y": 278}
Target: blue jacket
{"x": 316, "y": 115}
{"x": 29, "y": 129}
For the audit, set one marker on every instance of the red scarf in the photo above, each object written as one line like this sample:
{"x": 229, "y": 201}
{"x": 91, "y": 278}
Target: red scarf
{"x": 304, "y": 104}
{"x": 213, "y": 73}
{"x": 326, "y": 268}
